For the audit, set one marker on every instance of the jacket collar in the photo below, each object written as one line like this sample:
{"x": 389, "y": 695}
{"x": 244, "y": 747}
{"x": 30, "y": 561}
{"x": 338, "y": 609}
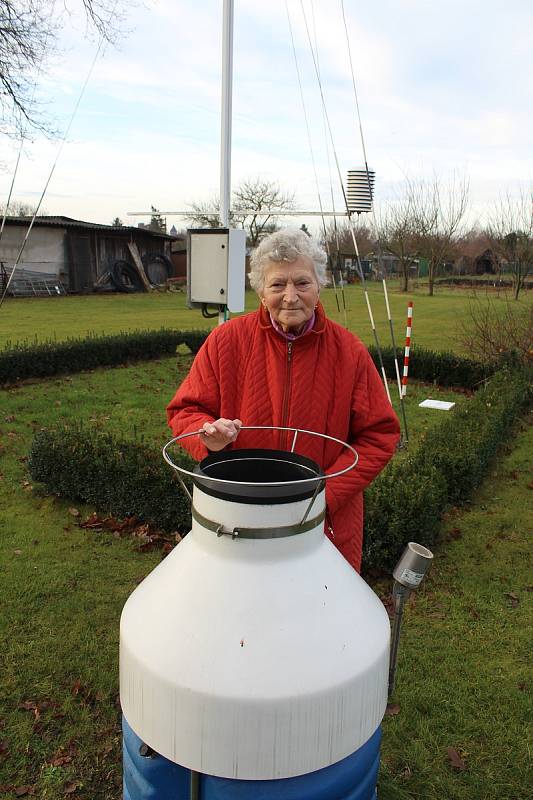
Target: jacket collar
{"x": 317, "y": 329}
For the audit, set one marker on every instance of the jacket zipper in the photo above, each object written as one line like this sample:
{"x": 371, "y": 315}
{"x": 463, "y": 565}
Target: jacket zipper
{"x": 285, "y": 406}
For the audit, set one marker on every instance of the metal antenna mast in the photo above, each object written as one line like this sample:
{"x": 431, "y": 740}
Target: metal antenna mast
{"x": 225, "y": 124}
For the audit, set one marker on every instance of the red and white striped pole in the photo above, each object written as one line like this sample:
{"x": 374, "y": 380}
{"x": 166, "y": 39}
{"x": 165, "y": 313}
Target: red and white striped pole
{"x": 407, "y": 347}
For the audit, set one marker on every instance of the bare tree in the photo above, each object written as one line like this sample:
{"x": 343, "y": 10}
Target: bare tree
{"x": 510, "y": 231}
{"x": 28, "y": 37}
{"x": 398, "y": 234}
{"x": 254, "y": 205}
{"x": 205, "y": 213}
{"x": 438, "y": 214}
{"x": 339, "y": 238}
{"x": 20, "y": 208}
{"x": 492, "y": 332}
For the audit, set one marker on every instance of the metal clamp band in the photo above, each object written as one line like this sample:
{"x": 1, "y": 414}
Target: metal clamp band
{"x": 258, "y": 533}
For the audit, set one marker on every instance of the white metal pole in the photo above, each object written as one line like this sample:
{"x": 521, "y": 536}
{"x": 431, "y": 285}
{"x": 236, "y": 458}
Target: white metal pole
{"x": 225, "y": 122}
{"x": 225, "y": 129}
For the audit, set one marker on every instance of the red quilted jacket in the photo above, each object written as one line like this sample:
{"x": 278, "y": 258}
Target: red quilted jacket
{"x": 324, "y": 381}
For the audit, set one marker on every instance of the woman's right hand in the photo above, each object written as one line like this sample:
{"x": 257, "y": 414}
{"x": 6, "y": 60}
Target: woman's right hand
{"x": 216, "y": 435}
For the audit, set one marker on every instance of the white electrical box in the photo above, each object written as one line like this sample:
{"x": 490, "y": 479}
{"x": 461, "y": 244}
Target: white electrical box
{"x": 216, "y": 260}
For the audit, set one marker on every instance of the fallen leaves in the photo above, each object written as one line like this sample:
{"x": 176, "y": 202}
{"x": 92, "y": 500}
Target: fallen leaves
{"x": 38, "y": 708}
{"x": 388, "y": 602}
{"x": 455, "y": 533}
{"x": 64, "y": 755}
{"x": 514, "y": 599}
{"x": 148, "y": 536}
{"x": 456, "y": 762}
{"x": 392, "y": 710}
{"x": 87, "y": 695}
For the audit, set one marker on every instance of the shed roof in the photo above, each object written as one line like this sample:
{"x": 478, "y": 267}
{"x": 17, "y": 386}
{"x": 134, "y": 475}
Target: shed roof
{"x": 68, "y": 222}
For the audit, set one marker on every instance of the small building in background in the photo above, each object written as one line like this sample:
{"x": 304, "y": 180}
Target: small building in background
{"x": 74, "y": 254}
{"x": 178, "y": 255}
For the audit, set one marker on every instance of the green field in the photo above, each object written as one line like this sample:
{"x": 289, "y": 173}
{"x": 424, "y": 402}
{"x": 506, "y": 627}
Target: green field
{"x": 464, "y": 677}
{"x": 436, "y": 319}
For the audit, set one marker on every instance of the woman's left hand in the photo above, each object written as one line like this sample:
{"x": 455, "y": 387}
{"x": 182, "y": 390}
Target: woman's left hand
{"x": 217, "y": 435}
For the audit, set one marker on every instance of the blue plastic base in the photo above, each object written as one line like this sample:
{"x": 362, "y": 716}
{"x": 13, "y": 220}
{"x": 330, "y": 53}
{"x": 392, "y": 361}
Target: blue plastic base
{"x": 157, "y": 778}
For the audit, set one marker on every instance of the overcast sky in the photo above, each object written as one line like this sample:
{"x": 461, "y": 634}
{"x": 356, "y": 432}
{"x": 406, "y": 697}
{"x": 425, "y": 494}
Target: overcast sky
{"x": 443, "y": 87}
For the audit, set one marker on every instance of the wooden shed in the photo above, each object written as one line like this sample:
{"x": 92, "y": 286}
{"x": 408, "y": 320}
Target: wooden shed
{"x": 72, "y": 252}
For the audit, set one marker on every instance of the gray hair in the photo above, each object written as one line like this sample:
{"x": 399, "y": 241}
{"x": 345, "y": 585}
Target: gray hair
{"x": 286, "y": 245}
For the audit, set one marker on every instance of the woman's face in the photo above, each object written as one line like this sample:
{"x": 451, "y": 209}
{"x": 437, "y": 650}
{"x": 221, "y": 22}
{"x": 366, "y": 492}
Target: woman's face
{"x": 290, "y": 293}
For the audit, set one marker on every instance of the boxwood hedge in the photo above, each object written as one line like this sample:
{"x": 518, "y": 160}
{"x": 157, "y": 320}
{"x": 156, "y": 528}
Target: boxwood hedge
{"x": 405, "y": 502}
{"x": 41, "y": 360}
{"x": 123, "y": 478}
{"x": 32, "y": 360}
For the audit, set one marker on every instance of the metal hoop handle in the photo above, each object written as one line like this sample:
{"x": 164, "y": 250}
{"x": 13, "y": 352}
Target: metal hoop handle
{"x": 318, "y": 480}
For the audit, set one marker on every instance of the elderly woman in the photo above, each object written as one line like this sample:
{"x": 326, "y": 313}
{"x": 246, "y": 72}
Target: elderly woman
{"x": 288, "y": 365}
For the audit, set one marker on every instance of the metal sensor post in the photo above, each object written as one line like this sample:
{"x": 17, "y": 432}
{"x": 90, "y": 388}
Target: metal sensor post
{"x": 408, "y": 574}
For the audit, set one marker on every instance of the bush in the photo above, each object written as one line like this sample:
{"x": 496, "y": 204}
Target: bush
{"x": 443, "y": 369}
{"x": 497, "y": 332}
{"x": 27, "y": 360}
{"x": 407, "y": 500}
{"x": 123, "y": 478}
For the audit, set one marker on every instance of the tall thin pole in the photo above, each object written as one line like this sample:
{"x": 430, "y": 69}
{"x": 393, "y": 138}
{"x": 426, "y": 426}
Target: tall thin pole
{"x": 225, "y": 124}
{"x": 225, "y": 127}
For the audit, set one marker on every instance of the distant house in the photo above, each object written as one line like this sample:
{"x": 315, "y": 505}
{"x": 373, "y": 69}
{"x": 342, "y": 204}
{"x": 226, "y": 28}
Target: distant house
{"x": 74, "y": 253}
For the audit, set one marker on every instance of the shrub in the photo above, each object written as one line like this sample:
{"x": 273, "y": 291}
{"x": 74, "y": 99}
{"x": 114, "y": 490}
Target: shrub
{"x": 443, "y": 369}
{"x": 407, "y": 500}
{"x": 123, "y": 478}
{"x": 27, "y": 360}
{"x": 496, "y": 332}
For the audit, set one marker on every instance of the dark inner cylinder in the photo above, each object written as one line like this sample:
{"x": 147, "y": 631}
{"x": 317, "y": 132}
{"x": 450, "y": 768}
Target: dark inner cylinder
{"x": 262, "y": 467}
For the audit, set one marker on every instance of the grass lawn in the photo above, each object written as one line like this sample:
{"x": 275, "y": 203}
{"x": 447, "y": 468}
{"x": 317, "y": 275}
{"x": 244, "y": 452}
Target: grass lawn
{"x": 435, "y": 320}
{"x": 463, "y": 676}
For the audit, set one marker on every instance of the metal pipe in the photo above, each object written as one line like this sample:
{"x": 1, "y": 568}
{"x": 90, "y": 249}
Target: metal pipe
{"x": 195, "y": 786}
{"x": 400, "y": 595}
{"x": 225, "y": 127}
{"x": 408, "y": 574}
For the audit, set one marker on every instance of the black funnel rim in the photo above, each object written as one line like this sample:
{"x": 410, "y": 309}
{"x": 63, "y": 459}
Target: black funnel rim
{"x": 317, "y": 482}
{"x": 289, "y": 476}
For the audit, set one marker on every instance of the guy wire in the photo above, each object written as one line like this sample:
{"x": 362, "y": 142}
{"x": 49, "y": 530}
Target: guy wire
{"x": 60, "y": 148}
{"x": 302, "y": 98}
{"x": 335, "y": 265}
{"x": 352, "y": 230}
{"x": 23, "y": 132}
{"x": 380, "y": 255}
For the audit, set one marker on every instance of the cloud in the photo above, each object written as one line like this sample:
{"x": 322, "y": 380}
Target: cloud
{"x": 441, "y": 87}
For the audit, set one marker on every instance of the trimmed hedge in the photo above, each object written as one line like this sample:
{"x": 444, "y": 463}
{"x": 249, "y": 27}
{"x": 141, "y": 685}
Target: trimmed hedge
{"x": 124, "y": 478}
{"x": 443, "y": 369}
{"x": 28, "y": 360}
{"x": 405, "y": 502}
